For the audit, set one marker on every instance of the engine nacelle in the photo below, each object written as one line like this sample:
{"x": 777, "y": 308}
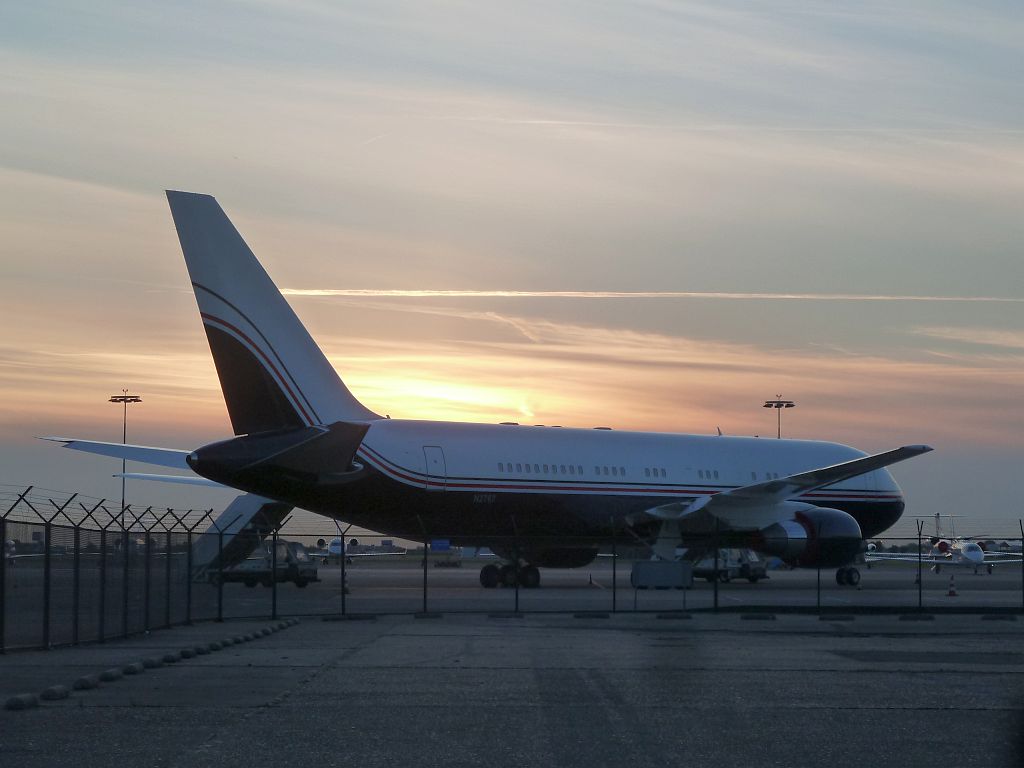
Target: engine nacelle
{"x": 814, "y": 536}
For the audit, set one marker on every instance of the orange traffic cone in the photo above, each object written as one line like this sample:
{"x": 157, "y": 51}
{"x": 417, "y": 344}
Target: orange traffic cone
{"x": 952, "y": 587}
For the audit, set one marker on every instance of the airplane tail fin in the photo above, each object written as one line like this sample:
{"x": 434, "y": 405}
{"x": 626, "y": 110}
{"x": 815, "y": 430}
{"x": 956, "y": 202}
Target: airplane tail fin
{"x": 272, "y": 373}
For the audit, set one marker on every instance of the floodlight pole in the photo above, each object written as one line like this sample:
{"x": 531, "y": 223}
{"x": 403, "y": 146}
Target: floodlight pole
{"x": 124, "y": 399}
{"x": 779, "y": 404}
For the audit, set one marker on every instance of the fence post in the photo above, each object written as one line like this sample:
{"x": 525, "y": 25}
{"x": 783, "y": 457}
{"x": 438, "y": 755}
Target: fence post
{"x": 426, "y": 546}
{"x": 46, "y": 584}
{"x": 920, "y": 581}
{"x": 515, "y": 570}
{"x": 126, "y": 556}
{"x": 715, "y": 579}
{"x": 341, "y": 562}
{"x": 76, "y": 586}
{"x": 3, "y": 584}
{"x": 818, "y": 536}
{"x": 615, "y": 571}
{"x": 220, "y": 574}
{"x": 167, "y": 584}
{"x": 101, "y": 629}
{"x": 188, "y": 580}
{"x": 273, "y": 576}
{"x": 146, "y": 579}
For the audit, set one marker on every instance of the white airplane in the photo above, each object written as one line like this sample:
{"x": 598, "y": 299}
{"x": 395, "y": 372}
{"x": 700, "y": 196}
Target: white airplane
{"x": 537, "y": 496}
{"x": 947, "y": 551}
{"x": 327, "y": 549}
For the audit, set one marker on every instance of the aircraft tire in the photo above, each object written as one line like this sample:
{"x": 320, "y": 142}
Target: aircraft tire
{"x": 508, "y": 575}
{"x": 990, "y": 569}
{"x": 529, "y": 577}
{"x": 489, "y": 576}
{"x": 841, "y": 577}
{"x": 852, "y": 577}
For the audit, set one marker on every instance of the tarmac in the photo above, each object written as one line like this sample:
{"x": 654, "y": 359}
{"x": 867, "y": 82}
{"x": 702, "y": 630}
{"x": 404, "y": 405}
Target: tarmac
{"x": 590, "y": 689}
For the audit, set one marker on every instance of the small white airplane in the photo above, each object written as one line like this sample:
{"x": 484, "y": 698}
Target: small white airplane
{"x": 327, "y": 549}
{"x": 953, "y": 550}
{"x": 537, "y": 496}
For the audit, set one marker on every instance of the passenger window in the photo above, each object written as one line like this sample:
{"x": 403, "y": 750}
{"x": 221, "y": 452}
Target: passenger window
{"x": 663, "y": 473}
{"x": 716, "y": 474}
{"x": 700, "y": 473}
{"x": 579, "y": 469}
{"x": 622, "y": 471}
{"x": 615, "y": 471}
{"x": 519, "y": 467}
{"x": 597, "y": 470}
{"x": 572, "y": 470}
{"x": 536, "y": 468}
{"x": 647, "y": 471}
{"x": 501, "y": 466}
{"x": 561, "y": 468}
{"x": 605, "y": 470}
{"x": 545, "y": 469}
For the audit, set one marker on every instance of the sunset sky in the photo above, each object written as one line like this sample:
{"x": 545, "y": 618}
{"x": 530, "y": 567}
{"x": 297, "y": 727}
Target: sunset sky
{"x": 645, "y": 215}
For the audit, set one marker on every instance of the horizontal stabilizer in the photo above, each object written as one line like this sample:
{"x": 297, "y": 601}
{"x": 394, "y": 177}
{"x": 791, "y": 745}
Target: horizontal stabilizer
{"x": 162, "y": 457}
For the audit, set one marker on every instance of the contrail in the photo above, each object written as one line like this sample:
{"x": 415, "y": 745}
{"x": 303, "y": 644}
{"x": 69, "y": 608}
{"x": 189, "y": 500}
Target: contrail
{"x": 727, "y": 295}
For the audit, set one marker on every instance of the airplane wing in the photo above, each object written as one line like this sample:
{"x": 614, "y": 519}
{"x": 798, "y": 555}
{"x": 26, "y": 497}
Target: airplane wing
{"x": 1002, "y": 557}
{"x": 897, "y": 557}
{"x": 164, "y": 457}
{"x": 745, "y": 506}
{"x": 181, "y": 479}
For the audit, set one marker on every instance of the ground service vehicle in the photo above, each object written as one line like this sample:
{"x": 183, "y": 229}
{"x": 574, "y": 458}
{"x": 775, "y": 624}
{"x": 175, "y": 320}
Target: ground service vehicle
{"x": 293, "y": 564}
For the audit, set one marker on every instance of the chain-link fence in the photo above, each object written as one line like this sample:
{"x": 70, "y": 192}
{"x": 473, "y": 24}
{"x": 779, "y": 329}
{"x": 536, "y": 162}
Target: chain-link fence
{"x": 78, "y": 570}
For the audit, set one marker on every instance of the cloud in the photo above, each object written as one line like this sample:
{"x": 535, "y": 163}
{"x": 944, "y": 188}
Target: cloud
{"x": 991, "y": 337}
{"x": 747, "y": 296}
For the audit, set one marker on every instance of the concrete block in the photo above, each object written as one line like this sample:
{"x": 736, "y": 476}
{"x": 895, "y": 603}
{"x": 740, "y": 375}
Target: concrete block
{"x": 22, "y": 701}
{"x": 86, "y": 683}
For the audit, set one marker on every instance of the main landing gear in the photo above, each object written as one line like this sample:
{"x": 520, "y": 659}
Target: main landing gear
{"x": 506, "y": 575}
{"x": 848, "y": 577}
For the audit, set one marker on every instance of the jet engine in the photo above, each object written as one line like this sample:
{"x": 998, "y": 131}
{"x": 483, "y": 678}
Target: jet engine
{"x": 814, "y": 536}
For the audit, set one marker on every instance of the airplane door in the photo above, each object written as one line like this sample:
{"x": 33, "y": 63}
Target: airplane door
{"x": 436, "y": 470}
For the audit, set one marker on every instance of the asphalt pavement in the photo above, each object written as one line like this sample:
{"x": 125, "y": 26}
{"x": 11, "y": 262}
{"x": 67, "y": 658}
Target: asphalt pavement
{"x": 542, "y": 689}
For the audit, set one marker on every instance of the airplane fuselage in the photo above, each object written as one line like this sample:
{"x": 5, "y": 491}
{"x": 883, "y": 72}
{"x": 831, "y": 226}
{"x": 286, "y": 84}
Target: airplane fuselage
{"x": 468, "y": 482}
